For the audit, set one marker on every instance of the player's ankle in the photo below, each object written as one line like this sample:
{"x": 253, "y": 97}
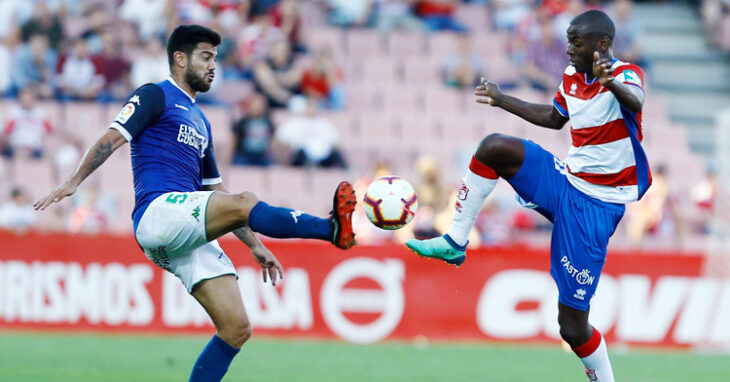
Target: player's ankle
{"x": 454, "y": 244}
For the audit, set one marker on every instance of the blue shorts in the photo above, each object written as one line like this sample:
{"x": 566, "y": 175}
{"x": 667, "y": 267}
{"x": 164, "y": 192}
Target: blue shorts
{"x": 582, "y": 224}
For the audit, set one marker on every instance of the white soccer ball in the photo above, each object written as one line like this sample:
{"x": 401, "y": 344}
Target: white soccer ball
{"x": 390, "y": 202}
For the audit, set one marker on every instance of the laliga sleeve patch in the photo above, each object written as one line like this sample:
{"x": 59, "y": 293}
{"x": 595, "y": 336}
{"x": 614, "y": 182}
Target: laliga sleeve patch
{"x": 125, "y": 113}
{"x": 630, "y": 77}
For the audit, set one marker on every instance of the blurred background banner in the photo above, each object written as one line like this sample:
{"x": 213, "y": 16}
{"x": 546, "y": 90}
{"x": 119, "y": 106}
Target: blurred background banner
{"x": 365, "y": 295}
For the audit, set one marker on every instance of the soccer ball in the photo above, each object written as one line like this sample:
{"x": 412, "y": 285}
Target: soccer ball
{"x": 390, "y": 202}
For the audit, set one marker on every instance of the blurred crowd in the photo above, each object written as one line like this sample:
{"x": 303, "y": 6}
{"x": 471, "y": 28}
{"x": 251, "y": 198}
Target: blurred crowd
{"x": 99, "y": 51}
{"x": 661, "y": 219}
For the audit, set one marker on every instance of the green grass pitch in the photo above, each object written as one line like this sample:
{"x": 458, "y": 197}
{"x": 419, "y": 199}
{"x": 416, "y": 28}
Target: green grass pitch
{"x": 33, "y": 356}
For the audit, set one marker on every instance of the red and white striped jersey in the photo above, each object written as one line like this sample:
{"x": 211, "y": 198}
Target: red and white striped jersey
{"x": 605, "y": 160}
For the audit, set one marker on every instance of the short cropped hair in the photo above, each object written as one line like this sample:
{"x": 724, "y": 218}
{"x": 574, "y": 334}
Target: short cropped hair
{"x": 186, "y": 37}
{"x": 596, "y": 23}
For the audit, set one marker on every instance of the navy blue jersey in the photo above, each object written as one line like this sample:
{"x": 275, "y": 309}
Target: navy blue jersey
{"x": 171, "y": 143}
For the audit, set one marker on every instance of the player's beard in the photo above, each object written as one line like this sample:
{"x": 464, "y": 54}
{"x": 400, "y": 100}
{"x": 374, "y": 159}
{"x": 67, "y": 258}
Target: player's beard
{"x": 196, "y": 82}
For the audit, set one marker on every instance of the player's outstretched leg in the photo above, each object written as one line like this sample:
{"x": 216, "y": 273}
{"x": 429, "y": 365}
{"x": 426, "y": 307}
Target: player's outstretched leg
{"x": 497, "y": 155}
{"x": 587, "y": 343}
{"x": 227, "y": 212}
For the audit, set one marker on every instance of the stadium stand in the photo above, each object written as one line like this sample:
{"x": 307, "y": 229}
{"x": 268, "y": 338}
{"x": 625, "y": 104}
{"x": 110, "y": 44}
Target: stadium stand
{"x": 397, "y": 109}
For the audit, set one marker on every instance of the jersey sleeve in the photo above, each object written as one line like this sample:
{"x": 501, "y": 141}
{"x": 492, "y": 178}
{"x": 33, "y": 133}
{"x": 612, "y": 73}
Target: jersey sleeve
{"x": 143, "y": 108}
{"x": 630, "y": 75}
{"x": 559, "y": 102}
{"x": 211, "y": 175}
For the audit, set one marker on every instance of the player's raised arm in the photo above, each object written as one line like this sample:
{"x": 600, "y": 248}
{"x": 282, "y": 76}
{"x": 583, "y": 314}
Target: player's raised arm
{"x": 538, "y": 114}
{"x": 94, "y": 157}
{"x": 631, "y": 97}
{"x": 142, "y": 109}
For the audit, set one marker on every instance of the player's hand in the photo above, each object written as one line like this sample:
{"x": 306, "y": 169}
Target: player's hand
{"x": 488, "y": 92}
{"x": 602, "y": 69}
{"x": 66, "y": 189}
{"x": 269, "y": 264}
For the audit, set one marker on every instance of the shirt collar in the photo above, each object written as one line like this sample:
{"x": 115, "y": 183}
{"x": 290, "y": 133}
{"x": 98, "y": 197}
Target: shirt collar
{"x": 172, "y": 81}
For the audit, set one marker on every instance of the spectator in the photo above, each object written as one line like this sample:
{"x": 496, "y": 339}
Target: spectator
{"x": 655, "y": 213}
{"x": 309, "y": 139}
{"x": 431, "y": 192}
{"x": 462, "y": 68}
{"x": 493, "y": 224}
{"x": 35, "y": 65}
{"x": 92, "y": 211}
{"x": 626, "y": 44}
{"x": 287, "y": 17}
{"x": 80, "y": 75}
{"x": 252, "y": 134}
{"x": 704, "y": 196}
{"x": 348, "y": 13}
{"x": 276, "y": 77}
{"x": 6, "y": 64}
{"x": 17, "y": 213}
{"x": 392, "y": 14}
{"x": 150, "y": 65}
{"x": 322, "y": 81}
{"x": 554, "y": 7}
{"x": 149, "y": 16}
{"x": 98, "y": 21}
{"x": 439, "y": 15}
{"x": 262, "y": 6}
{"x": 255, "y": 42}
{"x": 432, "y": 197}
{"x": 45, "y": 23}
{"x": 506, "y": 14}
{"x": 561, "y": 21}
{"x": 67, "y": 154}
{"x": 14, "y": 13}
{"x": 546, "y": 59}
{"x": 114, "y": 67}
{"x": 26, "y": 127}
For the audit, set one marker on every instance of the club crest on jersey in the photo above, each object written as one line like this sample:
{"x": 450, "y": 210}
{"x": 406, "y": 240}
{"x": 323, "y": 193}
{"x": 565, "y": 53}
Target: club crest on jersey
{"x": 188, "y": 135}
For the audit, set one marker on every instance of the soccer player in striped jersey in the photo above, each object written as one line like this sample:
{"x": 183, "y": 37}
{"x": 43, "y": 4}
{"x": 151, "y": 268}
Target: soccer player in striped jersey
{"x": 181, "y": 204}
{"x": 584, "y": 196}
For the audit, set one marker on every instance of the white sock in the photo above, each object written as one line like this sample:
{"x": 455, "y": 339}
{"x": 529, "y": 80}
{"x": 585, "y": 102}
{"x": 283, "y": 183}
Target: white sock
{"x": 477, "y": 184}
{"x": 597, "y": 364}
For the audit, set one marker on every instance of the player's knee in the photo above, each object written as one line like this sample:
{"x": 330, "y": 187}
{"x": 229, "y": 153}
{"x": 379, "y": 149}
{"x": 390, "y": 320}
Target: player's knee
{"x": 236, "y": 334}
{"x": 245, "y": 201}
{"x": 574, "y": 333}
{"x": 568, "y": 334}
{"x": 491, "y": 147}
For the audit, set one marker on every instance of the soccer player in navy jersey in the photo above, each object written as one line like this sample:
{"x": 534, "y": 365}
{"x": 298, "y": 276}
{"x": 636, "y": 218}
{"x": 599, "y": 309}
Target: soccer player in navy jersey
{"x": 584, "y": 196}
{"x": 181, "y": 205}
